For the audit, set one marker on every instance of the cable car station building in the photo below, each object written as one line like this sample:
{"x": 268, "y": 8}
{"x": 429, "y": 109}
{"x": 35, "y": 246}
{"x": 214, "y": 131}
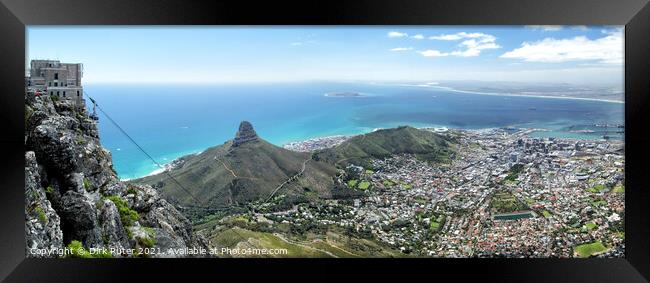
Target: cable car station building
{"x": 56, "y": 79}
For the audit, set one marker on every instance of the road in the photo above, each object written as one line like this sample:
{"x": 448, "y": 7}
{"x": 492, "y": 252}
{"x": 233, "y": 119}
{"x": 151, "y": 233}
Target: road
{"x": 304, "y": 165}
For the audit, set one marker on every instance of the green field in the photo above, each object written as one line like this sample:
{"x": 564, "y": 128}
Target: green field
{"x": 352, "y": 184}
{"x": 506, "y": 202}
{"x": 546, "y": 213}
{"x": 587, "y": 250}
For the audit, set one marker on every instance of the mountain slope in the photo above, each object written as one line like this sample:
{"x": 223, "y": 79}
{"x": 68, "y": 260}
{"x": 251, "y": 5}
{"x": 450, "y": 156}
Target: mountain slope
{"x": 426, "y": 145}
{"x": 244, "y": 169}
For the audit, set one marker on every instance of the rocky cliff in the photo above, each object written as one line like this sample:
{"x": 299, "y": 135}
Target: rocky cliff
{"x": 246, "y": 133}
{"x": 73, "y": 195}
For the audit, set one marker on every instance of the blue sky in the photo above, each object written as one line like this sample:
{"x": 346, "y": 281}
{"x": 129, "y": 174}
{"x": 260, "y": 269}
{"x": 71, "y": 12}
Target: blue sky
{"x": 218, "y": 54}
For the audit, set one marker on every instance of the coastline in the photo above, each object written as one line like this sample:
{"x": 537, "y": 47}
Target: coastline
{"x": 333, "y": 140}
{"x": 430, "y": 86}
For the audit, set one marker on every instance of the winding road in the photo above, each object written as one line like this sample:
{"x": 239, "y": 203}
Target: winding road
{"x": 304, "y": 165}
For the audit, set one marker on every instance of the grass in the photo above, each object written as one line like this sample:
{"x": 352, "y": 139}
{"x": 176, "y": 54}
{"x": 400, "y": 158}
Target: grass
{"x": 587, "y": 250}
{"x": 364, "y": 185}
{"x": 352, "y": 184}
{"x": 619, "y": 189}
{"x": 546, "y": 213}
{"x": 388, "y": 183}
{"x": 591, "y": 226}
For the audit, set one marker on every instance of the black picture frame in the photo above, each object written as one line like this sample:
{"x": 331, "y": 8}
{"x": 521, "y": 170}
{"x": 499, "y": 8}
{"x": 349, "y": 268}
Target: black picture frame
{"x": 634, "y": 14}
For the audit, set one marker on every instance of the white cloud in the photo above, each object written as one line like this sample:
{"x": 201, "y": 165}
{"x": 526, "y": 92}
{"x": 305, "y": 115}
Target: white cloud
{"x": 457, "y": 36}
{"x": 401, "y": 49}
{"x": 432, "y": 53}
{"x": 397, "y": 34}
{"x": 474, "y": 43}
{"x": 418, "y": 36}
{"x": 608, "y": 49}
{"x": 546, "y": 27}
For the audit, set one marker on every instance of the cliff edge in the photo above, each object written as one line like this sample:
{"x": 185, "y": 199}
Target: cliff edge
{"x": 73, "y": 197}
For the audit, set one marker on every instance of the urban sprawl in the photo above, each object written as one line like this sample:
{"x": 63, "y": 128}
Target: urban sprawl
{"x": 505, "y": 194}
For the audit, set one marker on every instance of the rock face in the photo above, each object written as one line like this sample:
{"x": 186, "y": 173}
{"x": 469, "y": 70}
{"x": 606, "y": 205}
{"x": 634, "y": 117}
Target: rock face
{"x": 72, "y": 192}
{"x": 42, "y": 224}
{"x": 246, "y": 133}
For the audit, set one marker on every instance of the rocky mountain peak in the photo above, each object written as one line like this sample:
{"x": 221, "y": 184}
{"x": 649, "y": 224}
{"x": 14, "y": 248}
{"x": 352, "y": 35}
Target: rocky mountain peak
{"x": 246, "y": 133}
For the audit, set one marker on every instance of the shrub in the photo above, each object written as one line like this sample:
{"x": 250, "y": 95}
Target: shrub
{"x": 127, "y": 215}
{"x": 130, "y": 190}
{"x": 41, "y": 214}
{"x": 49, "y": 189}
{"x": 78, "y": 250}
{"x": 86, "y": 184}
{"x": 146, "y": 242}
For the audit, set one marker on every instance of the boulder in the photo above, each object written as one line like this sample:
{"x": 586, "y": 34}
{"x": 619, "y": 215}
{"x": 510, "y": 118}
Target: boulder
{"x": 80, "y": 221}
{"x": 113, "y": 233}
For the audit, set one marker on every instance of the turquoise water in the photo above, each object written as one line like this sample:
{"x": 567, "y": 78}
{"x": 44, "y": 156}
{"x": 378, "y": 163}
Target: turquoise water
{"x": 170, "y": 121}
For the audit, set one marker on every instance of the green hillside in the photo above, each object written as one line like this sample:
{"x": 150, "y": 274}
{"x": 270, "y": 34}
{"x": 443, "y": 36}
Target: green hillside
{"x": 248, "y": 168}
{"x": 238, "y": 172}
{"x": 426, "y": 145}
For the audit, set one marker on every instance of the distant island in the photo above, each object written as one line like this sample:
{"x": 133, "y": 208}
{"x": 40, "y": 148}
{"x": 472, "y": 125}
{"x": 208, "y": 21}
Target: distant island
{"x": 344, "y": 94}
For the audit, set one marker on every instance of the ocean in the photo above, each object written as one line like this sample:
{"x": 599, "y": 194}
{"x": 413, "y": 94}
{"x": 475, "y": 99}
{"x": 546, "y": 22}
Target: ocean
{"x": 170, "y": 121}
